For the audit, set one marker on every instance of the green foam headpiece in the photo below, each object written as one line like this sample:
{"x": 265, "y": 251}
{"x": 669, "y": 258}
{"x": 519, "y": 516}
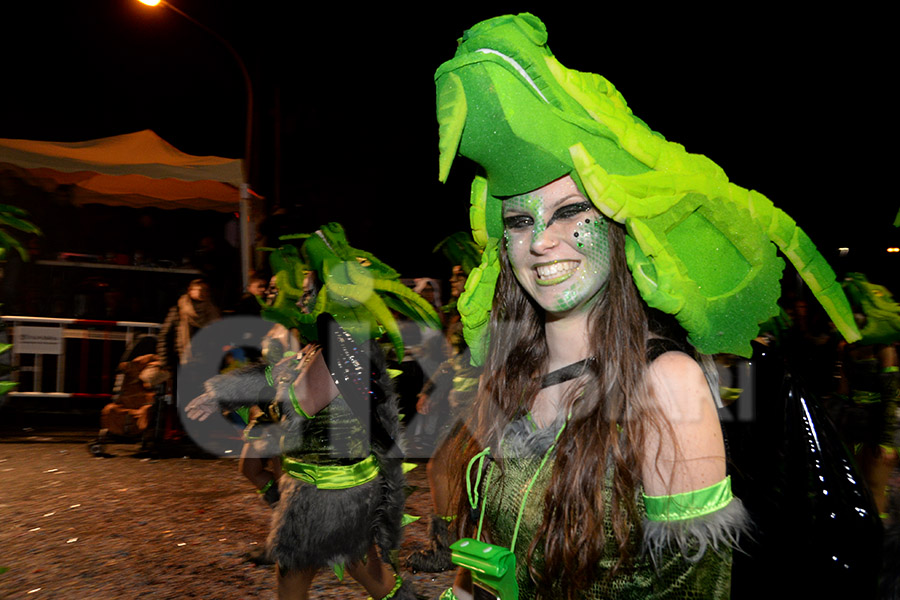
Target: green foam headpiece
{"x": 877, "y": 304}
{"x": 698, "y": 246}
{"x": 357, "y": 289}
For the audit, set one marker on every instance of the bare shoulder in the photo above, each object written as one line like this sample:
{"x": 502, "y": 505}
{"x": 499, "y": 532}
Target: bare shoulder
{"x": 678, "y": 385}
{"x": 689, "y": 452}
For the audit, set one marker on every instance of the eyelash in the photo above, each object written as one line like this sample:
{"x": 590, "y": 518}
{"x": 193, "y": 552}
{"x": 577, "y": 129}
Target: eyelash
{"x": 517, "y": 222}
{"x": 569, "y": 211}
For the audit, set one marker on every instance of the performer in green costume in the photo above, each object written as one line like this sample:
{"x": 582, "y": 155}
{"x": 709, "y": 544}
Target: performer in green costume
{"x": 596, "y": 465}
{"x": 339, "y": 436}
{"x": 868, "y": 380}
{"x": 456, "y": 383}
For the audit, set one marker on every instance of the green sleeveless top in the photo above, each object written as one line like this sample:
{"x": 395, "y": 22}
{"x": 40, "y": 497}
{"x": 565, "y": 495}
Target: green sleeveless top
{"x": 334, "y": 436}
{"x": 674, "y": 576}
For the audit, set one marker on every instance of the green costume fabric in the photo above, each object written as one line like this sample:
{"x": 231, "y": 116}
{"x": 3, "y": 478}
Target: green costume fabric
{"x": 875, "y": 396}
{"x": 687, "y": 505}
{"x": 346, "y": 486}
{"x": 672, "y": 577}
{"x": 699, "y": 247}
{"x": 358, "y": 289}
{"x": 877, "y": 304}
{"x": 874, "y": 391}
{"x": 334, "y": 437}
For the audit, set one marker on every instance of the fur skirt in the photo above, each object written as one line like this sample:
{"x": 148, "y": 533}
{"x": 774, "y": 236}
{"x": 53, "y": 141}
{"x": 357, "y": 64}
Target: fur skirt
{"x": 315, "y": 528}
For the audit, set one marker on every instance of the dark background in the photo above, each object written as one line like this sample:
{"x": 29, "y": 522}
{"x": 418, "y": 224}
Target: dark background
{"x": 789, "y": 102}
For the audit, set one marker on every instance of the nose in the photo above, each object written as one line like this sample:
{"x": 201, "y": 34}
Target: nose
{"x": 542, "y": 240}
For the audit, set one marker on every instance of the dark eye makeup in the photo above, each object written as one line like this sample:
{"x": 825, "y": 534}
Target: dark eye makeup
{"x": 516, "y": 222}
{"x": 570, "y": 210}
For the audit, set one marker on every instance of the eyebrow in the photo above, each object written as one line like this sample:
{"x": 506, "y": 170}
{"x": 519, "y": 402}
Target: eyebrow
{"x": 559, "y": 202}
{"x": 556, "y": 204}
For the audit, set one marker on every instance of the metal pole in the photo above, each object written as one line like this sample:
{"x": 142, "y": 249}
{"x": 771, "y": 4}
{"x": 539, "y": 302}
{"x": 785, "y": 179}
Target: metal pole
{"x": 248, "y": 138}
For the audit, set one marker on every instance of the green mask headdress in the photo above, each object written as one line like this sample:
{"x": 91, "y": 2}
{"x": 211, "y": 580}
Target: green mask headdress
{"x": 357, "y": 289}
{"x": 698, "y": 246}
{"x": 882, "y": 313}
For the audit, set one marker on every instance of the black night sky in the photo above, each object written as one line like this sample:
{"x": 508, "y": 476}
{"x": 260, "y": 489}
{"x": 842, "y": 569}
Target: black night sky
{"x": 791, "y": 103}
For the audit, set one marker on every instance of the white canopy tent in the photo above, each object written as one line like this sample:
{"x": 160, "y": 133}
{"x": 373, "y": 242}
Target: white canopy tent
{"x": 138, "y": 170}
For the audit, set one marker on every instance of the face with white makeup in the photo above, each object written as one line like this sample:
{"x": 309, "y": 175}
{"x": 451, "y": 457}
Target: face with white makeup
{"x": 558, "y": 246}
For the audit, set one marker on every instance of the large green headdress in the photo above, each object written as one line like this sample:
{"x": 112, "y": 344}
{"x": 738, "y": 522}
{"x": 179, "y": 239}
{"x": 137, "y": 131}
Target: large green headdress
{"x": 357, "y": 289}
{"x": 698, "y": 246}
{"x": 882, "y": 313}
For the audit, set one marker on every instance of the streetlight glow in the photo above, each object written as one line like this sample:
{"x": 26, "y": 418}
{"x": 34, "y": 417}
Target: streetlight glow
{"x": 248, "y": 136}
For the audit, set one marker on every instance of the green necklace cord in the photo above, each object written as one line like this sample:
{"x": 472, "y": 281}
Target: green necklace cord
{"x": 480, "y": 458}
{"x": 470, "y": 491}
{"x": 481, "y": 513}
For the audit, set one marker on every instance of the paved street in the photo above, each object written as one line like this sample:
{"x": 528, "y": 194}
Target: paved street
{"x": 73, "y": 526}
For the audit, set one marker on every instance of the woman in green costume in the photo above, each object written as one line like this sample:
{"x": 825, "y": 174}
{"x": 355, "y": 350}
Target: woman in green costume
{"x": 627, "y": 417}
{"x": 596, "y": 456}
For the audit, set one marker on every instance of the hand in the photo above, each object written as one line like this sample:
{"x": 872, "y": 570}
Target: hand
{"x": 201, "y": 407}
{"x": 887, "y": 455}
{"x": 422, "y": 404}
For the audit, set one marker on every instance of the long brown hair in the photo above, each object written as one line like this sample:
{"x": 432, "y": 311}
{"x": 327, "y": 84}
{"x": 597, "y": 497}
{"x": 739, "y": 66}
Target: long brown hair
{"x": 605, "y": 433}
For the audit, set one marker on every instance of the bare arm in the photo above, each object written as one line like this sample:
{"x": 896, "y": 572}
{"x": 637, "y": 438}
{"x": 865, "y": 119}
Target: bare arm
{"x": 689, "y": 455}
{"x": 462, "y": 585}
{"x": 314, "y": 388}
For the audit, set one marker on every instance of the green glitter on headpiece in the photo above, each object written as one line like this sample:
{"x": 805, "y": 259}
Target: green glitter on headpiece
{"x": 698, "y": 246}
{"x": 357, "y": 289}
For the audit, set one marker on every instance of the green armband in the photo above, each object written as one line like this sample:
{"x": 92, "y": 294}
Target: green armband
{"x": 687, "y": 505}
{"x": 448, "y": 595}
{"x": 296, "y": 403}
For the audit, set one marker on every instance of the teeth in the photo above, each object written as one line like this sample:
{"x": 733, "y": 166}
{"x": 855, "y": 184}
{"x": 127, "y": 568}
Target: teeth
{"x": 556, "y": 269}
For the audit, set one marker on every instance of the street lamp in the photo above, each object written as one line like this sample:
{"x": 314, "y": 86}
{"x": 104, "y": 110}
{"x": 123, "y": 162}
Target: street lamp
{"x": 248, "y": 136}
